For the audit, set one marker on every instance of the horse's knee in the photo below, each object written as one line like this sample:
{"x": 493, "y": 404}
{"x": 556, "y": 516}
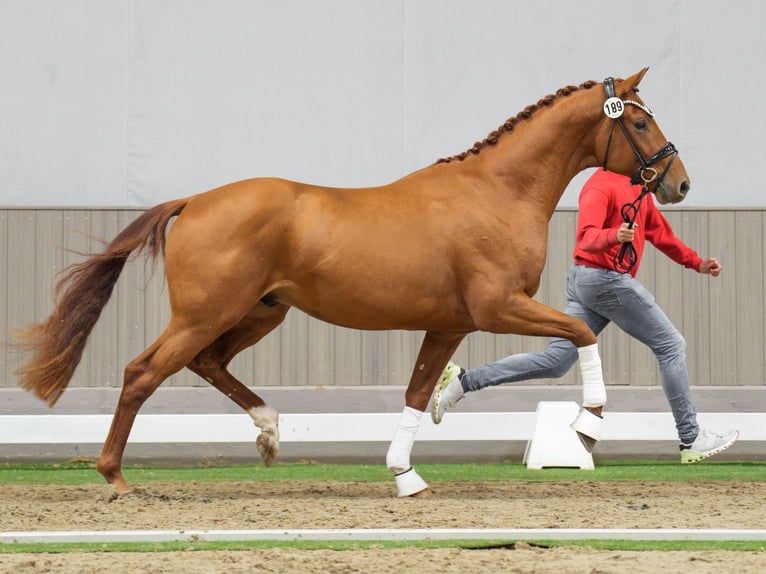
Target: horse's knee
{"x": 205, "y": 366}
{"x": 582, "y": 335}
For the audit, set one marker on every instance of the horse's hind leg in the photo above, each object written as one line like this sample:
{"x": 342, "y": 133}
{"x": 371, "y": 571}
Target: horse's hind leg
{"x": 211, "y": 363}
{"x": 435, "y": 351}
{"x": 167, "y": 355}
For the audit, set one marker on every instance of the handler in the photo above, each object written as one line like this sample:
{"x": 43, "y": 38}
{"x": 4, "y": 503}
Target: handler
{"x": 597, "y": 293}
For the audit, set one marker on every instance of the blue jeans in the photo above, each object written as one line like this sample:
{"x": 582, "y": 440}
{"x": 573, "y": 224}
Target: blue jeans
{"x": 598, "y": 296}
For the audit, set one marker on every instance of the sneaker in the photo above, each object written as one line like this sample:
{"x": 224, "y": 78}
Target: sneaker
{"x": 448, "y": 392}
{"x": 706, "y": 445}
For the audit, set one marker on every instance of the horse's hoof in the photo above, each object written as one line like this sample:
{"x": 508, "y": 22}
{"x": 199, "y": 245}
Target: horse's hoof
{"x": 588, "y": 442}
{"x": 588, "y": 426}
{"x": 267, "y": 447}
{"x": 120, "y": 495}
{"x": 425, "y": 493}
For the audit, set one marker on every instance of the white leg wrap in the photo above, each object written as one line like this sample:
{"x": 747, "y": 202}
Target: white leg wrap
{"x": 593, "y": 389}
{"x": 398, "y": 457}
{"x": 266, "y": 418}
{"x": 408, "y": 481}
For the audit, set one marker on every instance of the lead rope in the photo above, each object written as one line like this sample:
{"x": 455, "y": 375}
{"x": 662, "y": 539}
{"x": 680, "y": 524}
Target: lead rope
{"x": 627, "y": 257}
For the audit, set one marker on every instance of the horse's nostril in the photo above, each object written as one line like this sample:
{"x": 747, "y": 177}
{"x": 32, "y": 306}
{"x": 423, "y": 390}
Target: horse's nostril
{"x": 685, "y": 187}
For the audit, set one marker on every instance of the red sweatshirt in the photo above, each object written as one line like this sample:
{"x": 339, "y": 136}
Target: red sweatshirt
{"x": 601, "y": 201}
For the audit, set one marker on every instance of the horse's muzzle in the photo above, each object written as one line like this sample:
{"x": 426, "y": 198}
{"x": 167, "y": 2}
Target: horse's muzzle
{"x": 667, "y": 194}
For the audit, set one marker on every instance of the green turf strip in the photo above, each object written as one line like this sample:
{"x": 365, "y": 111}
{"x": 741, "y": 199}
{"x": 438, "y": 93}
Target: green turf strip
{"x": 77, "y": 473}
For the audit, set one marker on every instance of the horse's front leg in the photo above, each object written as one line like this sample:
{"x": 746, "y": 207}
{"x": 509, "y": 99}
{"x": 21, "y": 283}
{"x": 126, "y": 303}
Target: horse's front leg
{"x": 525, "y": 316}
{"x": 435, "y": 351}
{"x": 589, "y": 422}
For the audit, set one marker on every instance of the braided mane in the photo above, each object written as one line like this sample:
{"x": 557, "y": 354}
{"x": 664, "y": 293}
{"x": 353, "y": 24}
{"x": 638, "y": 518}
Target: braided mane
{"x": 509, "y": 124}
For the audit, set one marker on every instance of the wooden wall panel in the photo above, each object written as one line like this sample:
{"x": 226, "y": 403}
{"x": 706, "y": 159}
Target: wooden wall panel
{"x": 722, "y": 319}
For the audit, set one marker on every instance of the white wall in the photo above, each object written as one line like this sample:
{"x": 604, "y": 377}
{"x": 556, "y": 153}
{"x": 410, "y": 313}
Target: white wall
{"x": 128, "y": 103}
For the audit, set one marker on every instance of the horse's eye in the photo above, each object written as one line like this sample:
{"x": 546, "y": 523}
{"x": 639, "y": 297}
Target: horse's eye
{"x": 641, "y": 125}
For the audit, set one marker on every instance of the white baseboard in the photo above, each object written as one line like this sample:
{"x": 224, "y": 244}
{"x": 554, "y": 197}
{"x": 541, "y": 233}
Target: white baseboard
{"x": 349, "y": 427}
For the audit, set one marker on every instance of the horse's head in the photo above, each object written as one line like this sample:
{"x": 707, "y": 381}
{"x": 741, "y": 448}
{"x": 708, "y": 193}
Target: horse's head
{"x": 634, "y": 144}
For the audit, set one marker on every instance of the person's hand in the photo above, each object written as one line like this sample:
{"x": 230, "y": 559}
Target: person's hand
{"x": 711, "y": 267}
{"x": 625, "y": 233}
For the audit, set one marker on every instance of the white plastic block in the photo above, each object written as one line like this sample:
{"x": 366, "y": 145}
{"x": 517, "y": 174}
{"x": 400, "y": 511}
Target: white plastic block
{"x": 554, "y": 442}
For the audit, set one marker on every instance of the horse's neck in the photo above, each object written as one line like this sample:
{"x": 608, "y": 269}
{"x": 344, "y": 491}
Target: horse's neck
{"x": 536, "y": 162}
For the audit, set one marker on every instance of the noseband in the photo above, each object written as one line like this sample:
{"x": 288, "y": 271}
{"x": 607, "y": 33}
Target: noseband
{"x": 646, "y": 174}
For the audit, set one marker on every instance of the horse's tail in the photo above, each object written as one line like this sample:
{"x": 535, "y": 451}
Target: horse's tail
{"x": 56, "y": 345}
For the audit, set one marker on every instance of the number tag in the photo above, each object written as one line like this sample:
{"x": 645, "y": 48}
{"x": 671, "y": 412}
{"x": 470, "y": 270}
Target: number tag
{"x": 614, "y": 107}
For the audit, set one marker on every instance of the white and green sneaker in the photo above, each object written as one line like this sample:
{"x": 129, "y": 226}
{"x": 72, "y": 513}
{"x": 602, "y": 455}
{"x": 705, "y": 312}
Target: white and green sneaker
{"x": 706, "y": 445}
{"x": 448, "y": 392}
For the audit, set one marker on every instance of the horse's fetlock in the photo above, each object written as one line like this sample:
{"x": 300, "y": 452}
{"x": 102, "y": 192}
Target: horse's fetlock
{"x": 265, "y": 418}
{"x": 109, "y": 470}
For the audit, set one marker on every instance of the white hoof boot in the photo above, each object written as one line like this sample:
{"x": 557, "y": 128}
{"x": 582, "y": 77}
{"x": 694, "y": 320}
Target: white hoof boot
{"x": 409, "y": 482}
{"x": 588, "y": 427}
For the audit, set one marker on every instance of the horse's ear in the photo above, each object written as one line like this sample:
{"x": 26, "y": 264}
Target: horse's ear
{"x": 630, "y": 84}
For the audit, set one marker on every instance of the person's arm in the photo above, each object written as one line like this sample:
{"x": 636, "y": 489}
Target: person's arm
{"x": 710, "y": 267}
{"x": 660, "y": 234}
{"x": 592, "y": 236}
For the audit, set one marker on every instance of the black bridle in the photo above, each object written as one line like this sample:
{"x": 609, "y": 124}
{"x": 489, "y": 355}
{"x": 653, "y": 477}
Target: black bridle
{"x": 626, "y": 259}
{"x": 645, "y": 173}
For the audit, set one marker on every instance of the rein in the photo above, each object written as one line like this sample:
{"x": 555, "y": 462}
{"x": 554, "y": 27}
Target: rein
{"x": 626, "y": 258}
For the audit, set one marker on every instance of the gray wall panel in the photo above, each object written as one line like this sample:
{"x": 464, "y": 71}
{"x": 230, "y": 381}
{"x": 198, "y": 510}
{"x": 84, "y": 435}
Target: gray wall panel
{"x": 722, "y": 319}
{"x": 4, "y": 367}
{"x": 695, "y": 303}
{"x": 749, "y": 294}
{"x": 19, "y": 276}
{"x": 723, "y": 303}
{"x": 759, "y": 301}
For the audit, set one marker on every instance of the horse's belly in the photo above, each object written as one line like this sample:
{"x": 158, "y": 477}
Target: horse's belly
{"x": 376, "y": 306}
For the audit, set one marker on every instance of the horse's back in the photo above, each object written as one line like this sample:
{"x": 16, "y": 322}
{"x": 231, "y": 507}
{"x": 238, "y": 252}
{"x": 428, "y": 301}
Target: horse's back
{"x": 354, "y": 257}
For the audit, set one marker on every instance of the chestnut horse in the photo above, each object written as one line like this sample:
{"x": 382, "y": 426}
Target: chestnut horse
{"x": 455, "y": 247}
